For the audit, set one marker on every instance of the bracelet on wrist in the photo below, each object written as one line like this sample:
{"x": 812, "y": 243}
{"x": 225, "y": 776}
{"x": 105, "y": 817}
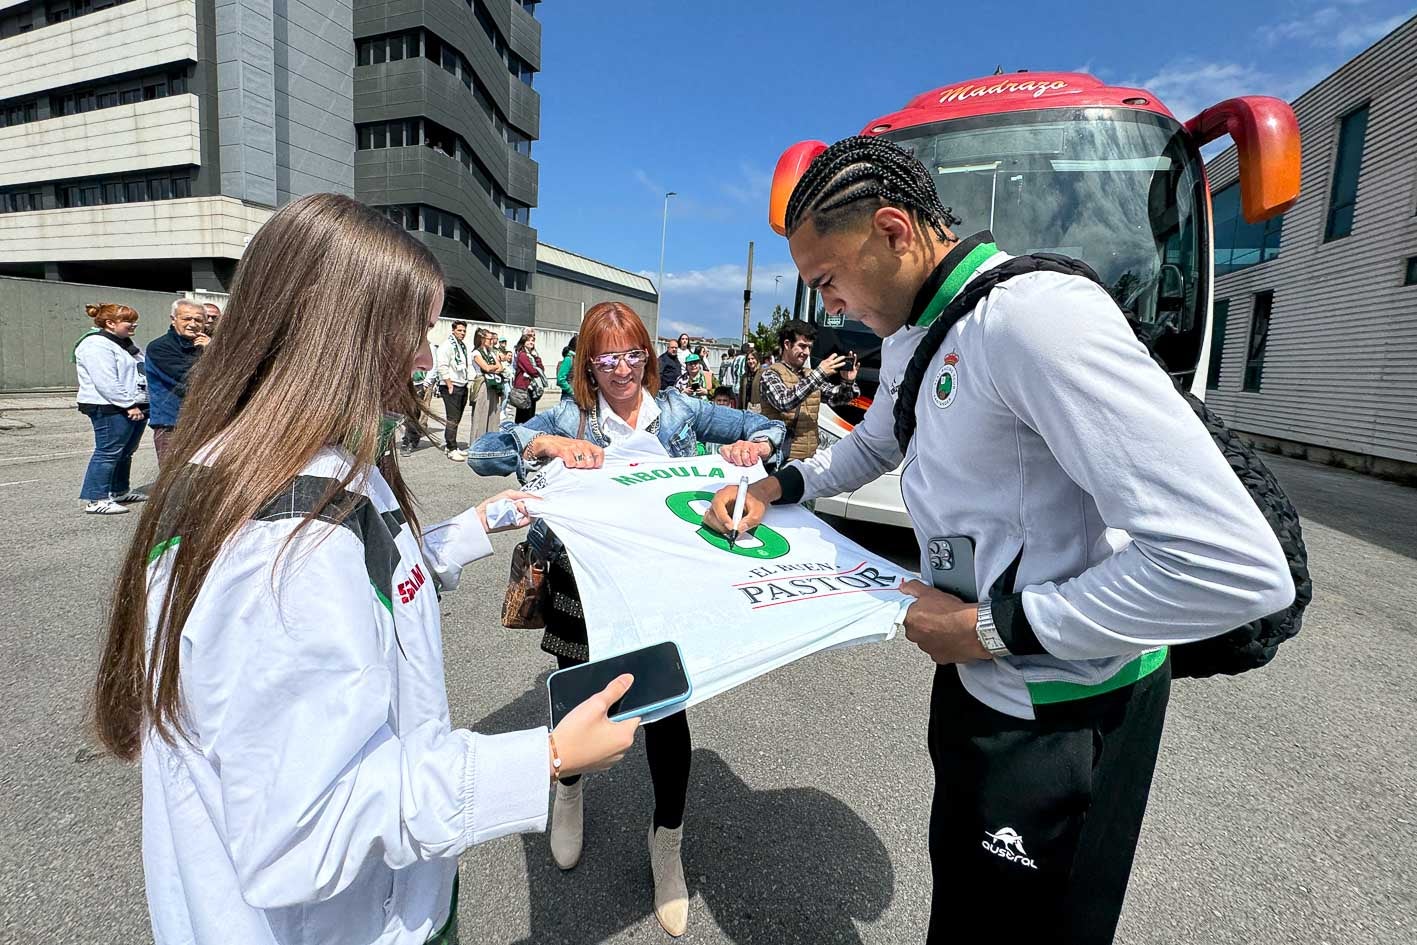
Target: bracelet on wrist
{"x": 555, "y": 756}
{"x": 527, "y": 453}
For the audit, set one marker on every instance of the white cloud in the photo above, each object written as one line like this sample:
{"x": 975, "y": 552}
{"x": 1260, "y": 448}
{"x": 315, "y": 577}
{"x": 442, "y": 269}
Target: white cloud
{"x": 1329, "y": 27}
{"x": 709, "y": 302}
{"x": 673, "y": 327}
{"x": 1334, "y": 31}
{"x": 1189, "y": 85}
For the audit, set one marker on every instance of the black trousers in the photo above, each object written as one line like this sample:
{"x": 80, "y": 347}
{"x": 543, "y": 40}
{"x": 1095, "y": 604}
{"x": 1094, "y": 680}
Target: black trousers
{"x": 1034, "y": 823}
{"x": 453, "y": 406}
{"x": 669, "y": 751}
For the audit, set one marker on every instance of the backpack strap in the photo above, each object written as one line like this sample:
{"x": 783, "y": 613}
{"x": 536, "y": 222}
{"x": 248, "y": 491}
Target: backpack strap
{"x": 972, "y": 294}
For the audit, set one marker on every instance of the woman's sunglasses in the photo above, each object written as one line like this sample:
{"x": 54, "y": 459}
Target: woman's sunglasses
{"x": 605, "y": 363}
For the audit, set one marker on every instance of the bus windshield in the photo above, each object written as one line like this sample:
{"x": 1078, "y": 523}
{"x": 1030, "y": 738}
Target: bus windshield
{"x": 1120, "y": 189}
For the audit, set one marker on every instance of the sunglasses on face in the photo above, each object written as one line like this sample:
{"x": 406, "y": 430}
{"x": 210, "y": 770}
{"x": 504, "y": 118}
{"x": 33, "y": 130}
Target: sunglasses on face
{"x": 605, "y": 363}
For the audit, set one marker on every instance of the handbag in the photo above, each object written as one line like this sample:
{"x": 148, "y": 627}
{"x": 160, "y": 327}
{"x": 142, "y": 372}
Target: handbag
{"x": 528, "y": 596}
{"x": 520, "y": 398}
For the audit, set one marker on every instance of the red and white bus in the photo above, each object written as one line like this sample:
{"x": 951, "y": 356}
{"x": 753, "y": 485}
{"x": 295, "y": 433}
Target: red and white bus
{"x": 1061, "y": 162}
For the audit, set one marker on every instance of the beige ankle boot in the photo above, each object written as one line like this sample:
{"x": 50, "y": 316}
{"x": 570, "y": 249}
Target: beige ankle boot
{"x": 568, "y": 824}
{"x": 671, "y": 893}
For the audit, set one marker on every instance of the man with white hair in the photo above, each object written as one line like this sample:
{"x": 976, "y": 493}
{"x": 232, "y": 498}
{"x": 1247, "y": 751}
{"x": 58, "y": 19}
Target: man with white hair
{"x": 169, "y": 359}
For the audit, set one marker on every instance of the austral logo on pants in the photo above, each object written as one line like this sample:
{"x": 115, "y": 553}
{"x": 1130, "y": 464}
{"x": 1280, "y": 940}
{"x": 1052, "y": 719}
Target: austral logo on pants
{"x": 1008, "y": 845}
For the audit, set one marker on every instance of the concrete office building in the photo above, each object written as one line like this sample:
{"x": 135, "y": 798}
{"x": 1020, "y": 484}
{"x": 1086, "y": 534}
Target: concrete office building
{"x": 142, "y": 142}
{"x": 568, "y": 283}
{"x": 1314, "y": 339}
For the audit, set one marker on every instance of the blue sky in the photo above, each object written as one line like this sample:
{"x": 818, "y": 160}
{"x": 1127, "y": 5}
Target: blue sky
{"x": 642, "y": 97}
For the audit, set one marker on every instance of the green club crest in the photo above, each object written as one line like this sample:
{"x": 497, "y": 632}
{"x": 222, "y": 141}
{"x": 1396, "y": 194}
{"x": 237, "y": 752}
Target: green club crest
{"x": 947, "y": 381}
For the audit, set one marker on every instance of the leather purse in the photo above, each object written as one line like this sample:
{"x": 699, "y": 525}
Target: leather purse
{"x": 528, "y": 593}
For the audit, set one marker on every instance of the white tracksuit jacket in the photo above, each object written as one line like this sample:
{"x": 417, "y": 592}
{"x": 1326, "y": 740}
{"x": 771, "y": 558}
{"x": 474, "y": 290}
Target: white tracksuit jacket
{"x": 108, "y": 374}
{"x": 1061, "y": 444}
{"x": 324, "y": 796}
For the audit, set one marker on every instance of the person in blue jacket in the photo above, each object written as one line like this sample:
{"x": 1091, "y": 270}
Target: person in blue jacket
{"x": 616, "y": 387}
{"x": 169, "y": 359}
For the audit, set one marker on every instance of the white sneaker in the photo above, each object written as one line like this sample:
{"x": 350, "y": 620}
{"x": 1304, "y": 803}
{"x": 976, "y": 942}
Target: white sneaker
{"x": 457, "y": 456}
{"x": 105, "y": 507}
{"x": 568, "y": 824}
{"x": 671, "y": 893}
{"x": 129, "y": 497}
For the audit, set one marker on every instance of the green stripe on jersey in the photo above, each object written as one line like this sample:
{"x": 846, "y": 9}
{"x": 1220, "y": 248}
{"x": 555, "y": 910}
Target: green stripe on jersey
{"x": 1048, "y": 693}
{"x": 955, "y": 281}
{"x": 160, "y": 549}
{"x": 383, "y": 598}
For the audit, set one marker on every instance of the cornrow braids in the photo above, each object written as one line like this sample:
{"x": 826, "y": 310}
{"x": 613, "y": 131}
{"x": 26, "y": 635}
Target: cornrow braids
{"x": 866, "y": 168}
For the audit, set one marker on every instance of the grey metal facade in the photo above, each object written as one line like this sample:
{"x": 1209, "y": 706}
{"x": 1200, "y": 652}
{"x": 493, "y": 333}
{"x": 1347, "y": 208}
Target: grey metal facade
{"x": 285, "y": 98}
{"x": 314, "y": 97}
{"x": 416, "y": 87}
{"x": 1339, "y": 363}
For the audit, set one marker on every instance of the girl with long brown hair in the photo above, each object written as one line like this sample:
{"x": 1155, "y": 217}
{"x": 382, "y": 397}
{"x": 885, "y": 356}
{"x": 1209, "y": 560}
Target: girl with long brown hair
{"x": 274, "y": 655}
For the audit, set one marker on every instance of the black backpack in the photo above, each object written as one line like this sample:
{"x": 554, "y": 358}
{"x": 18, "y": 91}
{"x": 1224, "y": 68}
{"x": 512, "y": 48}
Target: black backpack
{"x": 1244, "y": 648}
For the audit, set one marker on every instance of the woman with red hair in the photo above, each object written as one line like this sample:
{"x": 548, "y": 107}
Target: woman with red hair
{"x": 615, "y": 383}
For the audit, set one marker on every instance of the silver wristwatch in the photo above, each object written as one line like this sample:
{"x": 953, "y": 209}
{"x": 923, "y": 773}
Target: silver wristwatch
{"x": 988, "y": 635}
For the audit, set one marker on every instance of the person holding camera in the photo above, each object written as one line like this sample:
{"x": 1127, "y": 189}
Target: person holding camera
{"x": 791, "y": 392}
{"x": 696, "y": 381}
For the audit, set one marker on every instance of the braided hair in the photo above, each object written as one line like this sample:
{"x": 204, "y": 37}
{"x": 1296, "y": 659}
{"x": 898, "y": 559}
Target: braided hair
{"x": 863, "y": 168}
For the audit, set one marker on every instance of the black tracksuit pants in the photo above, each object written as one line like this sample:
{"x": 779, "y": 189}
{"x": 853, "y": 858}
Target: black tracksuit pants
{"x": 1034, "y": 823}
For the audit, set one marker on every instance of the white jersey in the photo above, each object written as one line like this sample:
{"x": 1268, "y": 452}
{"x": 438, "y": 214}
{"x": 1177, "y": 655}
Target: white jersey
{"x": 324, "y": 795}
{"x": 649, "y": 572}
{"x": 1049, "y": 440}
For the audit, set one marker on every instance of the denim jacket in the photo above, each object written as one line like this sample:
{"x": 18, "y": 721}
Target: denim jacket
{"x": 683, "y": 423}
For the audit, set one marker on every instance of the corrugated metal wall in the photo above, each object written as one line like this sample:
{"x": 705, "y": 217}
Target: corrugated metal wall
{"x": 1340, "y": 366}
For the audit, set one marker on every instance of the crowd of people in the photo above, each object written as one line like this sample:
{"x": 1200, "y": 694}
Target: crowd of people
{"x": 124, "y": 389}
{"x": 274, "y": 654}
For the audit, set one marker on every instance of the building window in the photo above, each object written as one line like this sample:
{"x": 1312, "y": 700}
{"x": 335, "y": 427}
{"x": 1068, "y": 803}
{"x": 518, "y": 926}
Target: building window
{"x": 1218, "y": 318}
{"x": 453, "y": 227}
{"x": 408, "y": 132}
{"x": 20, "y": 200}
{"x": 412, "y": 43}
{"x": 128, "y": 188}
{"x": 1259, "y": 337}
{"x": 1239, "y": 244}
{"x": 1347, "y": 163}
{"x": 1409, "y": 273}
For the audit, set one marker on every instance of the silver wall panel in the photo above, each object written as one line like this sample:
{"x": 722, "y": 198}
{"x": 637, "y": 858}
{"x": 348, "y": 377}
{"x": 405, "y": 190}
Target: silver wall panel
{"x": 1340, "y": 366}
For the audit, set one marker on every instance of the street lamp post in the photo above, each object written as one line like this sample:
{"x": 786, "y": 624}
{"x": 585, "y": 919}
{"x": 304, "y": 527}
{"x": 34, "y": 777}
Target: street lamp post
{"x": 659, "y": 286}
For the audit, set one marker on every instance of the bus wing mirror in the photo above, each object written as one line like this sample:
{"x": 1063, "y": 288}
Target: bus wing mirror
{"x": 1266, "y": 138}
{"x": 790, "y": 168}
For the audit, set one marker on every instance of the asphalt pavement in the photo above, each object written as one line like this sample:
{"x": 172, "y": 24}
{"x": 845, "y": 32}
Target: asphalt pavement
{"x": 1284, "y": 808}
